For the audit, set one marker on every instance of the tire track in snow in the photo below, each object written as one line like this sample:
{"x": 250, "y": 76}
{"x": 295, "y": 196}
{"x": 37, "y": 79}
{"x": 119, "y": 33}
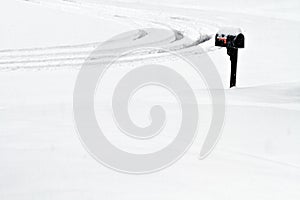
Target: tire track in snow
{"x": 74, "y": 55}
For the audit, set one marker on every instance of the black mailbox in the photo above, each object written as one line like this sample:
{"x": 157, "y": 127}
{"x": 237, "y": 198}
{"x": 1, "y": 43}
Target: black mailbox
{"x": 230, "y": 38}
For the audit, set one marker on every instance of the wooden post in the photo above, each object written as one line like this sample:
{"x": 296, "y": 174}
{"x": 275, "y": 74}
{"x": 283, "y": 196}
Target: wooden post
{"x": 233, "y": 53}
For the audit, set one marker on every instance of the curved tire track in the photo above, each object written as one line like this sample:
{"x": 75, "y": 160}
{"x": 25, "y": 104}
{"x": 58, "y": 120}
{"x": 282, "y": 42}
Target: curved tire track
{"x": 73, "y": 56}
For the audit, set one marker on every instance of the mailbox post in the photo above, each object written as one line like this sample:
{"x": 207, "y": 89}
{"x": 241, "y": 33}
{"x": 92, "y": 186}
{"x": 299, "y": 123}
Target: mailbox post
{"x": 233, "y": 53}
{"x": 232, "y": 39}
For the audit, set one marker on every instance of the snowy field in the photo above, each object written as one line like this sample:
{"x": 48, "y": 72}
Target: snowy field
{"x": 43, "y": 45}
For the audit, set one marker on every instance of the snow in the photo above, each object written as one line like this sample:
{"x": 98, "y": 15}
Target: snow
{"x": 41, "y": 156}
{"x": 229, "y": 31}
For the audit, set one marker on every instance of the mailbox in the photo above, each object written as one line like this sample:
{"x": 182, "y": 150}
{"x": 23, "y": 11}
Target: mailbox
{"x": 230, "y": 38}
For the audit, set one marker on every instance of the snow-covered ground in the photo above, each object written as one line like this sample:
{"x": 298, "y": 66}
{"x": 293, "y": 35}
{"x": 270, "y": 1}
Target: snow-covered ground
{"x": 42, "y": 47}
